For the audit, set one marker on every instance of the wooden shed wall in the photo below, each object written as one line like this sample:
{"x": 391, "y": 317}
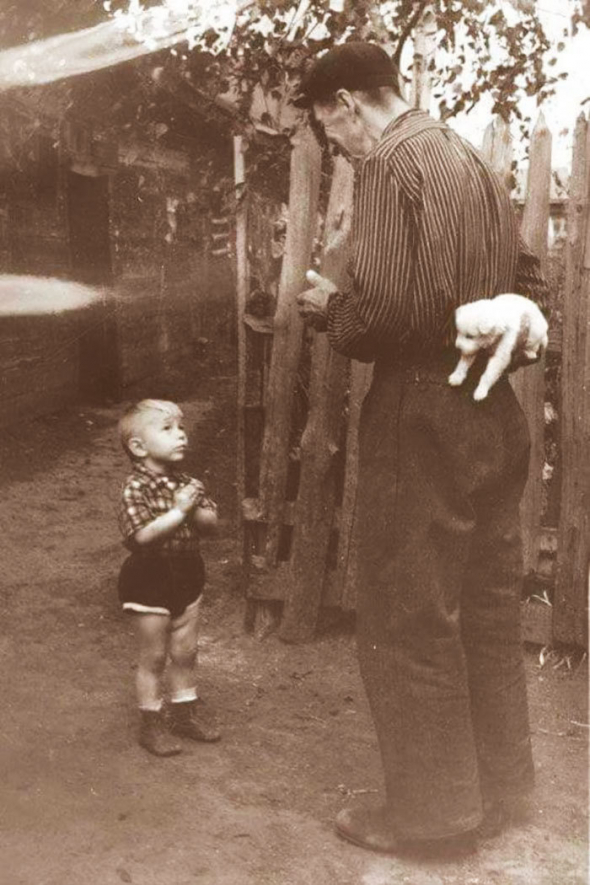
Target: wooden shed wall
{"x": 166, "y": 294}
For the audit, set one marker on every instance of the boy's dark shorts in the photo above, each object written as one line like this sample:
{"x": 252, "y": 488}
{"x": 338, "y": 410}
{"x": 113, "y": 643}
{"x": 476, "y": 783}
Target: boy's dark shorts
{"x": 161, "y": 585}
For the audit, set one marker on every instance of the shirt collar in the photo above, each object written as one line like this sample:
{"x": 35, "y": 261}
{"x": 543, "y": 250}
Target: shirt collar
{"x": 410, "y": 122}
{"x": 158, "y": 478}
{"x": 408, "y": 116}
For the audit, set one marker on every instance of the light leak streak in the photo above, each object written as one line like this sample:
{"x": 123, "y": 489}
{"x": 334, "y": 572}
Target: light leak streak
{"x": 124, "y": 37}
{"x": 36, "y": 296}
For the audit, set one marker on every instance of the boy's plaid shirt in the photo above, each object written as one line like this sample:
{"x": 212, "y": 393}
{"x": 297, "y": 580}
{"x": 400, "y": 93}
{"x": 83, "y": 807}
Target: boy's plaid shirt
{"x": 146, "y": 496}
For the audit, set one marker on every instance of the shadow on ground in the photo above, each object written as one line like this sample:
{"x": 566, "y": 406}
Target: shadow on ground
{"x": 83, "y": 803}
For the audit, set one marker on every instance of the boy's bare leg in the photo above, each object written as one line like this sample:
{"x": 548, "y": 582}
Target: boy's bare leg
{"x": 152, "y": 637}
{"x": 184, "y": 636}
{"x": 152, "y": 632}
{"x": 190, "y": 717}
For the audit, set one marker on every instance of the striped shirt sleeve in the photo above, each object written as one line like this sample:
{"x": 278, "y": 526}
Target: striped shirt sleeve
{"x": 376, "y": 308}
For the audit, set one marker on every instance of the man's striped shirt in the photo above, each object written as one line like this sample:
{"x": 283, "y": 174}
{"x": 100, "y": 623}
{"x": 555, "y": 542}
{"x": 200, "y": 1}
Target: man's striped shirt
{"x": 433, "y": 228}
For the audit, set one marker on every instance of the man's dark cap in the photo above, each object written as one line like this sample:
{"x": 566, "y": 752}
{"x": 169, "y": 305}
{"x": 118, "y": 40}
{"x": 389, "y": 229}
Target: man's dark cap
{"x": 349, "y": 66}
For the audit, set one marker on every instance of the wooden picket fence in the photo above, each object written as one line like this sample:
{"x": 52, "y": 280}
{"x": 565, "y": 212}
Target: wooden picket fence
{"x": 299, "y": 524}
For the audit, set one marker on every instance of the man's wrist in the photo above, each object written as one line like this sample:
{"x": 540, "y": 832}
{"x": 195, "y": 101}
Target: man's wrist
{"x": 333, "y": 301}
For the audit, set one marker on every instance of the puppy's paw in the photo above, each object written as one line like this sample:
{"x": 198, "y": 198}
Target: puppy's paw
{"x": 457, "y": 378}
{"x": 532, "y": 354}
{"x": 480, "y": 392}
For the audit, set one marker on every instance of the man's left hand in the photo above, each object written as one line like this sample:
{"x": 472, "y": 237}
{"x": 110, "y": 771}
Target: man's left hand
{"x": 313, "y": 303}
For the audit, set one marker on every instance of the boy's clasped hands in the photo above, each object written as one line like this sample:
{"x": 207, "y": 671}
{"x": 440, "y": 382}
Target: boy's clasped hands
{"x": 190, "y": 498}
{"x": 187, "y": 497}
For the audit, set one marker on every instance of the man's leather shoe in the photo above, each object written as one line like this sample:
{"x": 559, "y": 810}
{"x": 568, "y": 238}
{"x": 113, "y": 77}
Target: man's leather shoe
{"x": 503, "y": 814}
{"x": 368, "y": 827}
{"x": 372, "y": 828}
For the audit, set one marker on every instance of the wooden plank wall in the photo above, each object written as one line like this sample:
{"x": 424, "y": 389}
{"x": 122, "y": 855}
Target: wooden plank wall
{"x": 321, "y": 440}
{"x": 529, "y": 383}
{"x": 39, "y": 365}
{"x": 308, "y": 576}
{"x": 287, "y": 340}
{"x": 570, "y": 607}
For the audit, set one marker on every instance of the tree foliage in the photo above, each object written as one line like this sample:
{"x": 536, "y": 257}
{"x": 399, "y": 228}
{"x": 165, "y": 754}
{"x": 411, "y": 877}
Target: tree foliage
{"x": 490, "y": 48}
{"x": 484, "y": 48}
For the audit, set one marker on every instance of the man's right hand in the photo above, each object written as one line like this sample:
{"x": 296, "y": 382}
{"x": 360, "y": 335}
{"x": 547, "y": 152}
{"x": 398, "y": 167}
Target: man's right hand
{"x": 313, "y": 303}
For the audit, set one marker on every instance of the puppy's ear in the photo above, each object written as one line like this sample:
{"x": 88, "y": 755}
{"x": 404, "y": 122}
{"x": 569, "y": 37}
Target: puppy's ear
{"x": 485, "y": 320}
{"x": 524, "y": 330}
{"x": 460, "y": 318}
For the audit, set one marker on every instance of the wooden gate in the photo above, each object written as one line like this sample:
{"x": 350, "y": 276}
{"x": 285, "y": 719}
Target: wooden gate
{"x": 298, "y": 528}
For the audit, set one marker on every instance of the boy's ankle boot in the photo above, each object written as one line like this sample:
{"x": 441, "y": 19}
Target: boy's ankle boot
{"x": 155, "y": 737}
{"x": 194, "y": 720}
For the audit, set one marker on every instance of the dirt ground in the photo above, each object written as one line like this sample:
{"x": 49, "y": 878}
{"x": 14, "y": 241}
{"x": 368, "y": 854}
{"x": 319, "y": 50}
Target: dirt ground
{"x": 82, "y": 803}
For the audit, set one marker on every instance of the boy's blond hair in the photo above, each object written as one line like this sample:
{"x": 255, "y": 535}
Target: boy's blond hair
{"x": 128, "y": 424}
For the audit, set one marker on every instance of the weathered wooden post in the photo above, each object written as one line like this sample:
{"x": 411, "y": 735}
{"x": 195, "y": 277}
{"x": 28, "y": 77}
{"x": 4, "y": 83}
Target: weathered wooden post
{"x": 314, "y": 510}
{"x": 288, "y": 327}
{"x": 497, "y": 148}
{"x": 573, "y": 552}
{"x": 346, "y": 571}
{"x": 529, "y": 383}
{"x": 241, "y": 260}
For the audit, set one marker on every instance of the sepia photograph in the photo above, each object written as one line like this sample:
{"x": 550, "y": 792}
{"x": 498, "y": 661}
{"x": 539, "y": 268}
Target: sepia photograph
{"x": 294, "y": 442}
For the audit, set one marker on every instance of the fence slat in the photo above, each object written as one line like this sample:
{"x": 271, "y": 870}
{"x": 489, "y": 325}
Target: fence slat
{"x": 301, "y": 230}
{"x": 314, "y": 509}
{"x": 497, "y": 148}
{"x": 241, "y": 262}
{"x": 305, "y": 582}
{"x": 346, "y": 572}
{"x": 529, "y": 383}
{"x": 570, "y": 600}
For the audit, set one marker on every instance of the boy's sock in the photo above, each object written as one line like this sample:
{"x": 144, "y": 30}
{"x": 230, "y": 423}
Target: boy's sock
{"x": 184, "y": 695}
{"x": 152, "y": 706}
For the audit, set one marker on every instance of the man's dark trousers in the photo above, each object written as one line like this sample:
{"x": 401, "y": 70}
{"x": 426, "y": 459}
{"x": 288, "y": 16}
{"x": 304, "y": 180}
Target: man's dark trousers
{"x": 438, "y": 613}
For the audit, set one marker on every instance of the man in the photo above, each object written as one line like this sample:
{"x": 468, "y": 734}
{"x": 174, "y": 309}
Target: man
{"x": 441, "y": 475}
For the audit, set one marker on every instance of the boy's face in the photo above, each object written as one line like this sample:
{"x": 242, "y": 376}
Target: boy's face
{"x": 160, "y": 438}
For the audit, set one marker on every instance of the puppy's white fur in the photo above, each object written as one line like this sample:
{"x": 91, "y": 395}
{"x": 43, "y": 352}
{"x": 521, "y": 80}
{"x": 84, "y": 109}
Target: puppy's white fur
{"x": 499, "y": 325}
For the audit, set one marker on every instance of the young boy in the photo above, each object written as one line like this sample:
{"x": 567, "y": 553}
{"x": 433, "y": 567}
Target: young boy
{"x": 163, "y": 513}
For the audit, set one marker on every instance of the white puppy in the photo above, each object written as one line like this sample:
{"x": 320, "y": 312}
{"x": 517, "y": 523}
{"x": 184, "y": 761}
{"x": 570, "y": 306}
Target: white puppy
{"x": 499, "y": 325}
